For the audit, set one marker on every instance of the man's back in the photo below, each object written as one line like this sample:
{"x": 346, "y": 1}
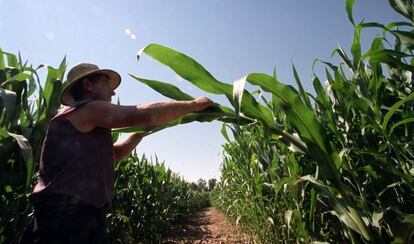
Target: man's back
{"x": 76, "y": 163}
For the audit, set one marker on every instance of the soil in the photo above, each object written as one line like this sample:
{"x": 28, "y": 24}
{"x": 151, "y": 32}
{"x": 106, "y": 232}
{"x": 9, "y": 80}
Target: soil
{"x": 208, "y": 226}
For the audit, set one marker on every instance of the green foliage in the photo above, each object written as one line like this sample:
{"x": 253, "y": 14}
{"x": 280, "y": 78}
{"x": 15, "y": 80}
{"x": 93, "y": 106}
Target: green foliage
{"x": 337, "y": 169}
{"x": 149, "y": 200}
{"x": 25, "y": 110}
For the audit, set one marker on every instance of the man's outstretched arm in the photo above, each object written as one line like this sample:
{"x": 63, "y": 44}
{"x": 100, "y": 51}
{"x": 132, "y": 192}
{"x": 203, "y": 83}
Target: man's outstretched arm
{"x": 107, "y": 115}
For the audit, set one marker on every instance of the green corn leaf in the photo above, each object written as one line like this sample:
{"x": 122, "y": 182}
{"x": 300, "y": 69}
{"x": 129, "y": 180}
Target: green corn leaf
{"x": 356, "y": 47}
{"x": 346, "y": 214}
{"x": 372, "y": 24}
{"x": 20, "y": 62}
{"x": 394, "y": 109}
{"x": 293, "y": 165}
{"x": 252, "y": 109}
{"x": 51, "y": 93}
{"x": 330, "y": 65}
{"x": 401, "y": 225}
{"x": 54, "y": 99}
{"x": 277, "y": 109}
{"x": 324, "y": 101}
{"x": 349, "y": 5}
{"x": 314, "y": 62}
{"x": 1, "y": 60}
{"x": 344, "y": 57}
{"x": 397, "y": 24}
{"x": 312, "y": 209}
{"x": 302, "y": 92}
{"x": 11, "y": 60}
{"x": 378, "y": 53}
{"x": 175, "y": 93}
{"x": 165, "y": 89}
{"x": 304, "y": 121}
{"x": 376, "y": 69}
{"x": 25, "y": 150}
{"x": 9, "y": 99}
{"x": 224, "y": 132}
{"x": 32, "y": 87}
{"x": 187, "y": 68}
{"x": 320, "y": 92}
{"x": 404, "y": 7}
{"x": 402, "y": 122}
{"x": 196, "y": 74}
{"x": 62, "y": 68}
{"x": 52, "y": 75}
{"x": 19, "y": 77}
{"x": 371, "y": 171}
{"x": 389, "y": 57}
{"x": 249, "y": 107}
{"x": 274, "y": 73}
{"x": 406, "y": 37}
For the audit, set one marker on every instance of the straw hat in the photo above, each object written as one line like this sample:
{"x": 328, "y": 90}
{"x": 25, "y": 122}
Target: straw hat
{"x": 81, "y": 70}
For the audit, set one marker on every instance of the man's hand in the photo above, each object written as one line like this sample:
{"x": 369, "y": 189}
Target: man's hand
{"x": 203, "y": 103}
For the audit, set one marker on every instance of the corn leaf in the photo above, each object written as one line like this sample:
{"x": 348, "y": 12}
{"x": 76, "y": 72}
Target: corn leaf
{"x": 404, "y": 7}
{"x": 304, "y": 121}
{"x": 165, "y": 89}
{"x": 402, "y": 122}
{"x": 349, "y": 5}
{"x": 187, "y": 68}
{"x": 1, "y": 60}
{"x": 196, "y": 74}
{"x": 394, "y": 109}
{"x": 9, "y": 99}
{"x": 406, "y": 37}
{"x": 25, "y": 151}
{"x": 302, "y": 92}
{"x": 346, "y": 213}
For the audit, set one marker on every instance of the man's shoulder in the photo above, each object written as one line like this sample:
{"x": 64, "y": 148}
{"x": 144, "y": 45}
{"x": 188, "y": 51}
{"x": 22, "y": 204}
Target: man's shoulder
{"x": 98, "y": 104}
{"x": 87, "y": 117}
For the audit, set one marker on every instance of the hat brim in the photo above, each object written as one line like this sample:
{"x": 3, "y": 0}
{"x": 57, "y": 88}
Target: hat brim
{"x": 67, "y": 99}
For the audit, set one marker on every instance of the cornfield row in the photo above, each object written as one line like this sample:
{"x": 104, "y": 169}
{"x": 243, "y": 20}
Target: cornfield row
{"x": 150, "y": 200}
{"x": 335, "y": 165}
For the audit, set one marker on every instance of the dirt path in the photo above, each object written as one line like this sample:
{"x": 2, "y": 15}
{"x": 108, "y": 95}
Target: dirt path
{"x": 209, "y": 226}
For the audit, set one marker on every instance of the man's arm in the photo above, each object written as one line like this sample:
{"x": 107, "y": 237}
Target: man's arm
{"x": 145, "y": 115}
{"x": 107, "y": 115}
{"x": 124, "y": 148}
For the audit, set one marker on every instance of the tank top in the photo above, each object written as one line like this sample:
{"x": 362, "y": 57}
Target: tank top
{"x": 75, "y": 163}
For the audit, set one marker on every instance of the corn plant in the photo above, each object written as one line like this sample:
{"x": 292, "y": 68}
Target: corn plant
{"x": 351, "y": 140}
{"x": 26, "y": 107}
{"x": 150, "y": 199}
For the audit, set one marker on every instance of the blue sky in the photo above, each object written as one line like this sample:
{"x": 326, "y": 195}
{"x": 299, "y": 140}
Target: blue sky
{"x": 229, "y": 38}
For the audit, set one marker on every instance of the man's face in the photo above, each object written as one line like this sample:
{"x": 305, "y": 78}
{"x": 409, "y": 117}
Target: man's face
{"x": 101, "y": 89}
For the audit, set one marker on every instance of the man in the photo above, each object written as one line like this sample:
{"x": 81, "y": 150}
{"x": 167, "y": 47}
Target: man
{"x": 76, "y": 174}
